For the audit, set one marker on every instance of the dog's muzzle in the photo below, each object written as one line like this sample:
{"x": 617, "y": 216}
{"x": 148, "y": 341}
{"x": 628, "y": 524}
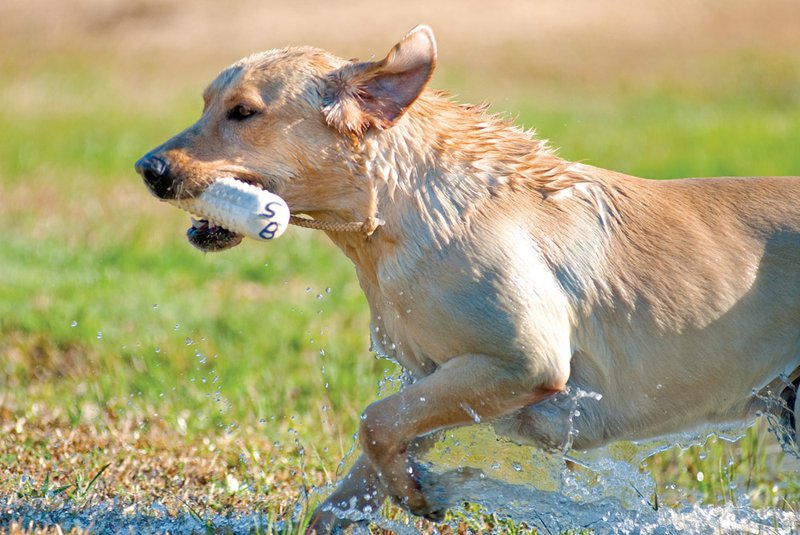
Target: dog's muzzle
{"x": 156, "y": 175}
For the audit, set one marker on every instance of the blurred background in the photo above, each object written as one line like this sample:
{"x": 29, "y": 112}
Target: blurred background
{"x": 109, "y": 320}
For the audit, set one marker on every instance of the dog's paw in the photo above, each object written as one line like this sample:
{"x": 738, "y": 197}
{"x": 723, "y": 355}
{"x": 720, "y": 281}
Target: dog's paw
{"x": 330, "y": 519}
{"x": 436, "y": 493}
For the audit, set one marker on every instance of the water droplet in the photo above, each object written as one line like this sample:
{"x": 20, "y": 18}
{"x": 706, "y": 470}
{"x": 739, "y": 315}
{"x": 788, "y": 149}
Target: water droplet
{"x": 177, "y": 326}
{"x": 189, "y": 341}
{"x": 319, "y": 296}
{"x": 321, "y": 352}
{"x": 516, "y": 466}
{"x": 700, "y": 476}
{"x": 471, "y": 412}
{"x": 422, "y": 399}
{"x": 327, "y": 290}
{"x": 659, "y": 386}
{"x": 308, "y": 289}
{"x": 74, "y": 323}
{"x": 99, "y": 335}
{"x": 702, "y": 456}
{"x": 155, "y": 306}
{"x": 158, "y": 350}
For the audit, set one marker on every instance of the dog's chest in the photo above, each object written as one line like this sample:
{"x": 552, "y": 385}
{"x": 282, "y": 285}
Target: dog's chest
{"x": 424, "y": 317}
{"x": 395, "y": 334}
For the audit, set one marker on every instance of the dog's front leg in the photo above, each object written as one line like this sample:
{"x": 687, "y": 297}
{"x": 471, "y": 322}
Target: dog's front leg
{"x": 359, "y": 490}
{"x": 465, "y": 390}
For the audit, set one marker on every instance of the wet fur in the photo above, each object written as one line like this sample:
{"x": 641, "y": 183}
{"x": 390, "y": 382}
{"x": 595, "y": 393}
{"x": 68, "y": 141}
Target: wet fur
{"x": 505, "y": 277}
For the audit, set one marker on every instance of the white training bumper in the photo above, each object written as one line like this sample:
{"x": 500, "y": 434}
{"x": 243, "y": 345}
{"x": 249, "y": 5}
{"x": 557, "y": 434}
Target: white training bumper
{"x": 241, "y": 208}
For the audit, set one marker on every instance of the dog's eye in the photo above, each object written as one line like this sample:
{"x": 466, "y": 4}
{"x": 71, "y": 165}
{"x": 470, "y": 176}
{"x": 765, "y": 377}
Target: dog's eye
{"x": 240, "y": 112}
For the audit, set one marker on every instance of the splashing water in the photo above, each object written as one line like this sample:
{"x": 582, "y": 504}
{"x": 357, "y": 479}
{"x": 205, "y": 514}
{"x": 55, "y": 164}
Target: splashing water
{"x": 775, "y": 405}
{"x": 608, "y": 490}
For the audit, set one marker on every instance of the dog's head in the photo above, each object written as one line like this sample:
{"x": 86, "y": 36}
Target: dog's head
{"x": 290, "y": 121}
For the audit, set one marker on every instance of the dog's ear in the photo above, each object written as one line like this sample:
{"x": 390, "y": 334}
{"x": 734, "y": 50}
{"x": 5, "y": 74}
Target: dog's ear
{"x": 360, "y": 95}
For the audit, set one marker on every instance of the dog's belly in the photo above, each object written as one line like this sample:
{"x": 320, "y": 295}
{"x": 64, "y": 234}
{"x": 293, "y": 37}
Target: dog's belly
{"x": 665, "y": 392}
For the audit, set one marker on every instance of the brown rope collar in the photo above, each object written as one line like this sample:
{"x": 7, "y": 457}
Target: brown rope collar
{"x": 368, "y": 226}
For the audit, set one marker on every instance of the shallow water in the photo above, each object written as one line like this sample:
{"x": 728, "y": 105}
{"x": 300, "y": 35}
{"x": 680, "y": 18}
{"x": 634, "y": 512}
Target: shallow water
{"x": 110, "y": 517}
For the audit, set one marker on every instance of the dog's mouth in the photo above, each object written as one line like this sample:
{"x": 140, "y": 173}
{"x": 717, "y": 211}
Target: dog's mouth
{"x": 210, "y": 237}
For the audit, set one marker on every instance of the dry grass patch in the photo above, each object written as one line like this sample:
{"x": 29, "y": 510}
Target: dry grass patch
{"x": 141, "y": 464}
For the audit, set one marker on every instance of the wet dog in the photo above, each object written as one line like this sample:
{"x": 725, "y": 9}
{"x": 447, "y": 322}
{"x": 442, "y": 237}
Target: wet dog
{"x": 500, "y": 275}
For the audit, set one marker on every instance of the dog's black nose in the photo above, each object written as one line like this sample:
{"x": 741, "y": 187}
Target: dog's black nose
{"x": 155, "y": 172}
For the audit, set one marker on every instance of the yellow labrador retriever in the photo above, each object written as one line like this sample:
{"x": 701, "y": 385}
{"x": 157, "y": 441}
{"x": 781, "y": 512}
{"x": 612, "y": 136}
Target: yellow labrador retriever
{"x": 500, "y": 275}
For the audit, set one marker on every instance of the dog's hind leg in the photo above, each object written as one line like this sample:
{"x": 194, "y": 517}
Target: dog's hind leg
{"x": 791, "y": 412}
{"x": 465, "y": 390}
{"x": 780, "y": 401}
{"x": 795, "y": 414}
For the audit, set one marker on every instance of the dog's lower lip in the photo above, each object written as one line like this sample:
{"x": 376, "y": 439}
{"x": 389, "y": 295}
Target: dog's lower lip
{"x": 209, "y": 236}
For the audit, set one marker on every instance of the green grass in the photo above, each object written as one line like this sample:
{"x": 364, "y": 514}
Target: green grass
{"x": 104, "y": 305}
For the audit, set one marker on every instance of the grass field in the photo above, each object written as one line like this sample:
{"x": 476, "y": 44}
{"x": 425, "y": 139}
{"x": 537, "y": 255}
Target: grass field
{"x": 134, "y": 368}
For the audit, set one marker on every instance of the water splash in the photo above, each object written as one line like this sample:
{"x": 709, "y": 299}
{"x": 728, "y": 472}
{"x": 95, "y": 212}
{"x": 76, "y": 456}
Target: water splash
{"x": 608, "y": 490}
{"x": 554, "y": 512}
{"x": 779, "y": 415}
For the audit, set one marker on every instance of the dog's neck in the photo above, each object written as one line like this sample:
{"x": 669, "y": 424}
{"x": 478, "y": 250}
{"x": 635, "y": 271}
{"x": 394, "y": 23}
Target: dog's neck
{"x": 439, "y": 167}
